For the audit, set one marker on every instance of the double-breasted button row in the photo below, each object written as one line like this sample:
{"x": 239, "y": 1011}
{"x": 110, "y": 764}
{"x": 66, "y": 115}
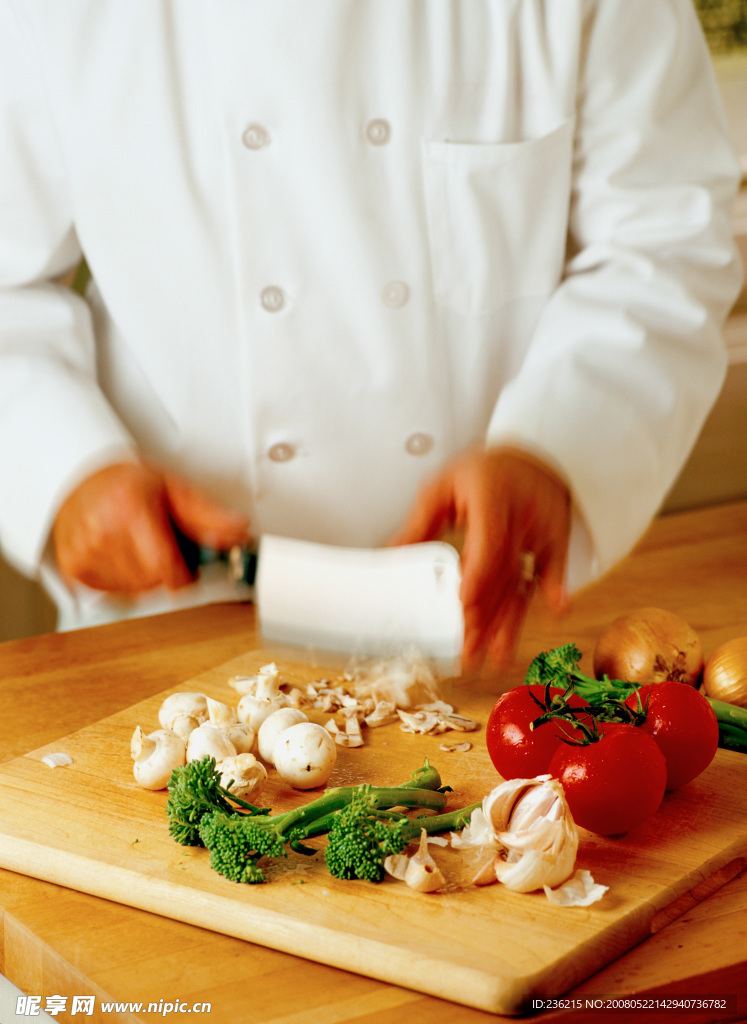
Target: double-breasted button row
{"x": 418, "y": 443}
{"x": 378, "y": 132}
{"x": 394, "y": 294}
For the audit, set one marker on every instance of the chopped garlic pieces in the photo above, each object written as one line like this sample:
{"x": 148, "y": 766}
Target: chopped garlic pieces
{"x": 57, "y": 760}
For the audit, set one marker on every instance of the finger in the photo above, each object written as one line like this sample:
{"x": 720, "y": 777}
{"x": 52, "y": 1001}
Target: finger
{"x": 202, "y": 518}
{"x": 431, "y": 514}
{"x": 493, "y": 623}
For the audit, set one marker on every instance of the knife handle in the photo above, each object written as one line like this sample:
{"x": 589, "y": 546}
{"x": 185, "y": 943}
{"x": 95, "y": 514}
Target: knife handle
{"x": 189, "y": 549}
{"x": 240, "y": 562}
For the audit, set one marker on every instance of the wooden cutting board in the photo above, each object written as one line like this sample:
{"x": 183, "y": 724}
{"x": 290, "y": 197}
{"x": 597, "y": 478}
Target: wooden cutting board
{"x": 90, "y": 827}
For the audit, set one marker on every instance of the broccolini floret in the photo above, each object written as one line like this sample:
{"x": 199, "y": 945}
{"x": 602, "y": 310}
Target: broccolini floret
{"x": 234, "y": 847}
{"x": 195, "y": 790}
{"x": 361, "y": 837}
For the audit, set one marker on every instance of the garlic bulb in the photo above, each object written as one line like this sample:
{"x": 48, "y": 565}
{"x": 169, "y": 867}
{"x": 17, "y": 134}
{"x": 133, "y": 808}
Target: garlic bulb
{"x": 527, "y": 834}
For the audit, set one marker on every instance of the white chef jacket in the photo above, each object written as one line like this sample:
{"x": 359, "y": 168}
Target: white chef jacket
{"x": 336, "y": 241}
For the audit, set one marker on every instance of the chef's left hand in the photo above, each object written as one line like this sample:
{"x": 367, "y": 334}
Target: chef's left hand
{"x": 511, "y": 507}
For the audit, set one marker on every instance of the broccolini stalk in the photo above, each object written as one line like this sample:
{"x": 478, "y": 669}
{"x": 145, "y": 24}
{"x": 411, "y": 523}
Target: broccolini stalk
{"x": 559, "y": 667}
{"x": 200, "y": 813}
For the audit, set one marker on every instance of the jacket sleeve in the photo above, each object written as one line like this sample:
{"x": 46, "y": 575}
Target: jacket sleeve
{"x": 628, "y": 357}
{"x": 55, "y": 424}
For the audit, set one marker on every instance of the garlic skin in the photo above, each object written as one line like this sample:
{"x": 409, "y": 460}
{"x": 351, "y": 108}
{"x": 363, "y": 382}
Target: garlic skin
{"x": 526, "y": 831}
{"x": 155, "y": 756}
{"x": 246, "y": 774}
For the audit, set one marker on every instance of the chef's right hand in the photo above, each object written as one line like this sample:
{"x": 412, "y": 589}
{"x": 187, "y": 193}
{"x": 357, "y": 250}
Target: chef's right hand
{"x": 114, "y": 531}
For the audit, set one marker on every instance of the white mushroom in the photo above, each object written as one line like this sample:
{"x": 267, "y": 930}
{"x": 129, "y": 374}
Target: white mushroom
{"x": 272, "y": 727}
{"x": 242, "y": 736}
{"x": 155, "y": 756}
{"x": 209, "y": 740}
{"x": 264, "y": 697}
{"x": 305, "y": 755}
{"x": 183, "y": 712}
{"x": 221, "y": 714}
{"x": 243, "y": 775}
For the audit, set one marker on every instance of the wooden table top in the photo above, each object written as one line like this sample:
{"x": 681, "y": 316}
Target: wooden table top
{"x": 57, "y": 941}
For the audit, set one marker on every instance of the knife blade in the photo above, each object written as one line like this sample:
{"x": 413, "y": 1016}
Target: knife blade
{"x": 352, "y": 601}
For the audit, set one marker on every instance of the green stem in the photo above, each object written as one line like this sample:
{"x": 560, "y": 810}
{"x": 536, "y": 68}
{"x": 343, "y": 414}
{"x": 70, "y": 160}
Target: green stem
{"x": 451, "y": 822}
{"x": 732, "y": 720}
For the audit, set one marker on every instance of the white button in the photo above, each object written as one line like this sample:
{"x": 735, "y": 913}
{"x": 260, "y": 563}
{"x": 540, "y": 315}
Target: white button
{"x": 255, "y": 137}
{"x": 378, "y": 132}
{"x": 395, "y": 294}
{"x": 281, "y": 452}
{"x": 419, "y": 444}
{"x": 272, "y": 298}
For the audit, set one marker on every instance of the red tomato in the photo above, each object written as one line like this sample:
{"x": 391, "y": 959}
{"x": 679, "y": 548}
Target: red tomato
{"x": 613, "y": 784}
{"x": 684, "y": 725}
{"x": 516, "y": 750}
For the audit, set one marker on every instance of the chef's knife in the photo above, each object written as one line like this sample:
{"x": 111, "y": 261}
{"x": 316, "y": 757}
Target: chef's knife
{"x": 359, "y": 601}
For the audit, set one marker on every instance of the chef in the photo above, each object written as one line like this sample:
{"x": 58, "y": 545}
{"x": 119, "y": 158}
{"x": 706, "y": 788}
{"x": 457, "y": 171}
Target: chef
{"x": 362, "y": 271}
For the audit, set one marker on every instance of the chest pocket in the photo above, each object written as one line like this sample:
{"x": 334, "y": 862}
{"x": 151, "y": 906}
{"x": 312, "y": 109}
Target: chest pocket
{"x": 497, "y": 218}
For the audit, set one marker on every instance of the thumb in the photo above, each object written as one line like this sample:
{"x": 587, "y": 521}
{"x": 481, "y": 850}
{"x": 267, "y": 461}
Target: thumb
{"x": 202, "y": 518}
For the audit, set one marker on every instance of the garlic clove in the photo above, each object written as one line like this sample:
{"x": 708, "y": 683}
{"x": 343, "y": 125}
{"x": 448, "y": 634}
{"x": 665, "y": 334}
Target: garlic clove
{"x": 419, "y": 871}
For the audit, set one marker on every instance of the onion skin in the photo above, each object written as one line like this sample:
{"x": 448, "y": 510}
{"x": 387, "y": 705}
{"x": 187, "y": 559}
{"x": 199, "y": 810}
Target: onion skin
{"x": 725, "y": 673}
{"x": 650, "y": 645}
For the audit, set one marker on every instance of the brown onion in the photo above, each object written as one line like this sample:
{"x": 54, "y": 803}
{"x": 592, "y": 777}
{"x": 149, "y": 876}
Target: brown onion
{"x": 725, "y": 673}
{"x": 650, "y": 645}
